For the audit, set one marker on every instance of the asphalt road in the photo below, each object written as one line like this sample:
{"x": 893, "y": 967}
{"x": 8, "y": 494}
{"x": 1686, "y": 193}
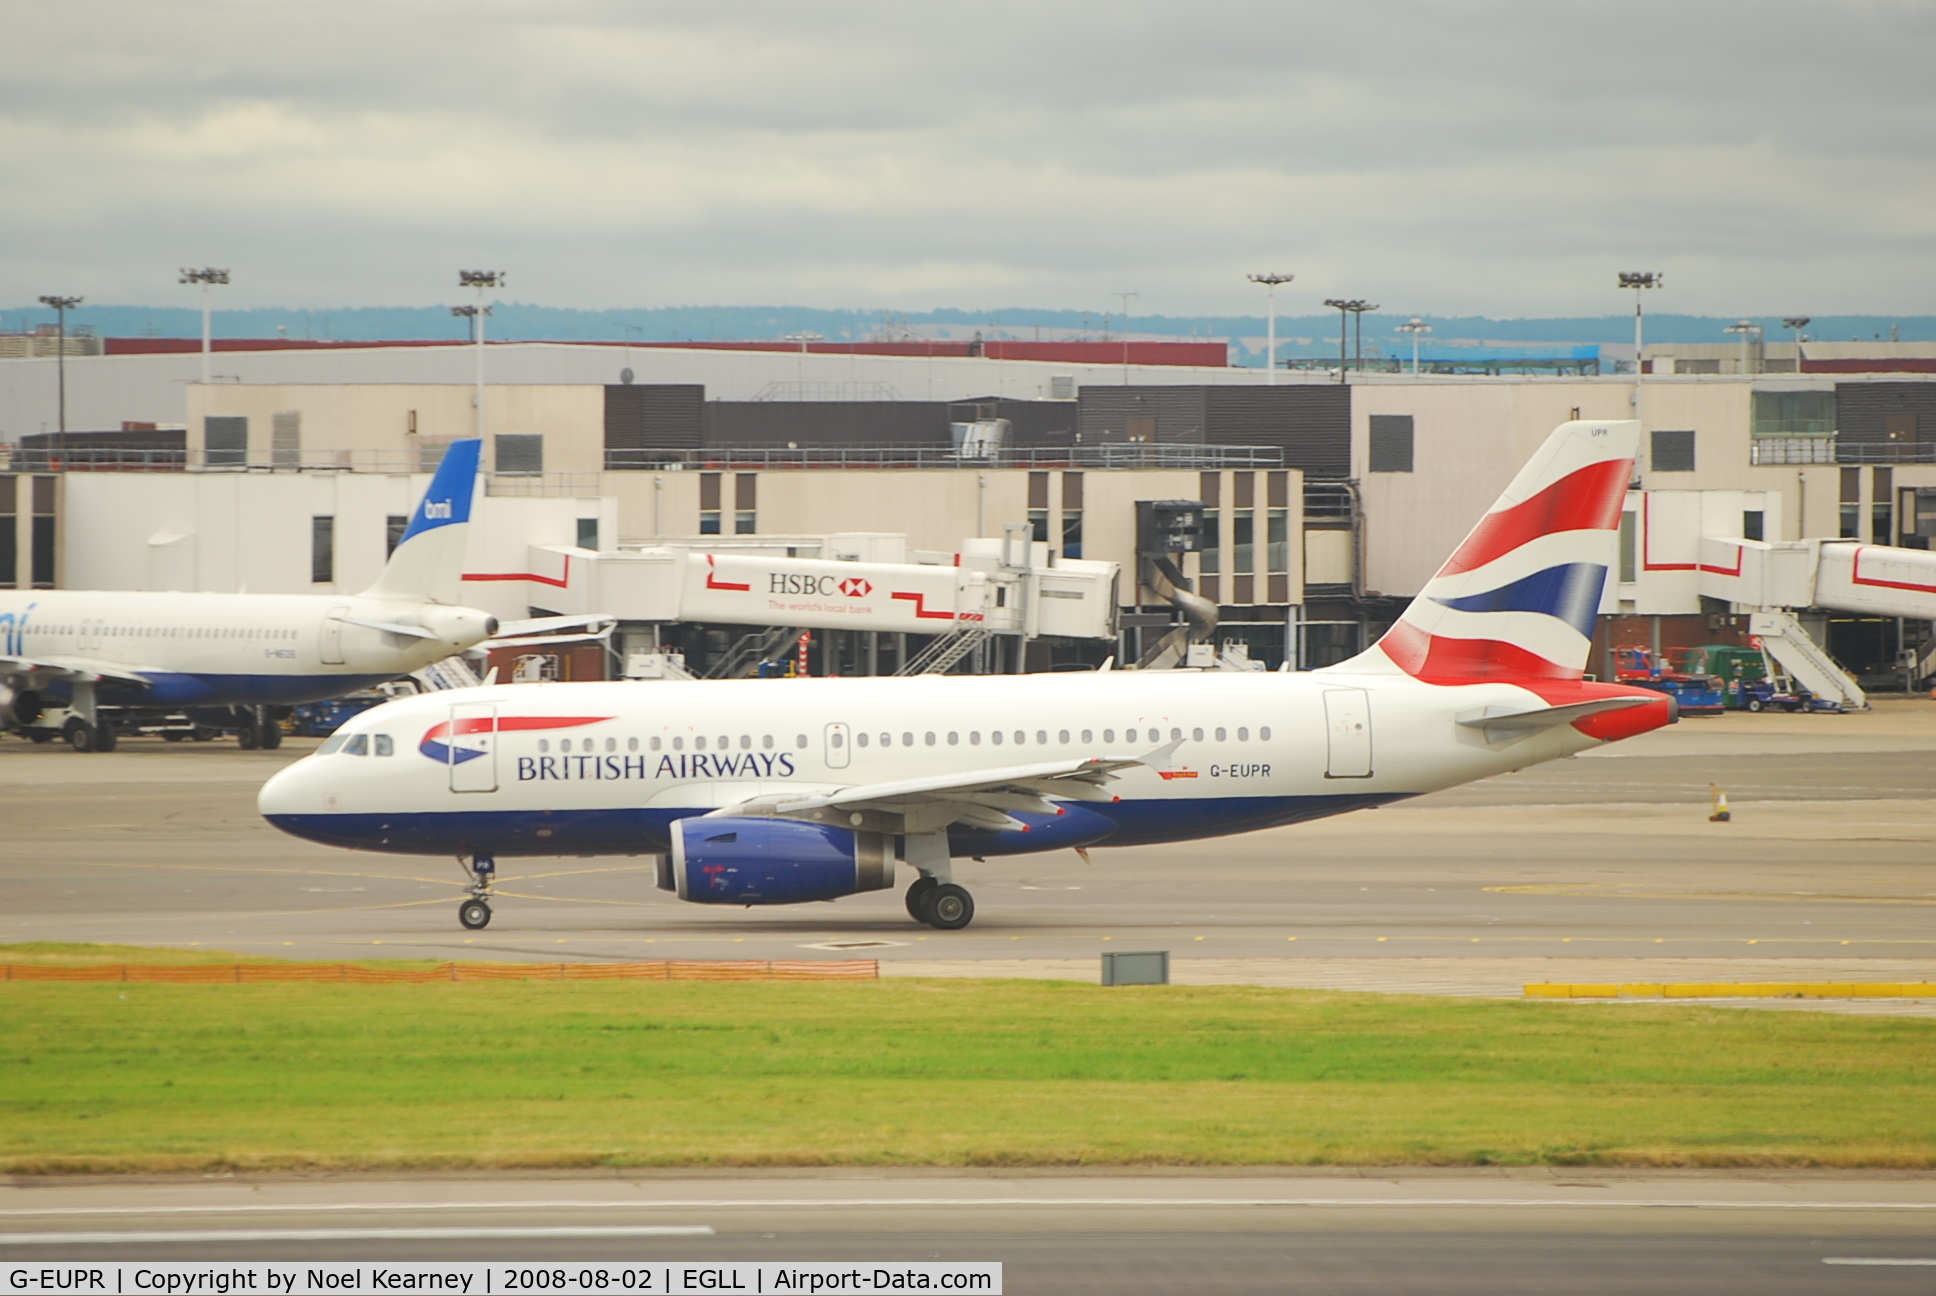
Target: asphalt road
{"x": 1829, "y": 854}
{"x": 1508, "y": 1232}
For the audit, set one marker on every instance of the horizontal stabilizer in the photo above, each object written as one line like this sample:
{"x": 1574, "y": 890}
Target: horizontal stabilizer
{"x": 1501, "y": 725}
{"x": 389, "y": 627}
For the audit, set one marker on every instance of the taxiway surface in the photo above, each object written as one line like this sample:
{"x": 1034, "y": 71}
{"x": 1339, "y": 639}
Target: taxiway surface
{"x": 1457, "y": 1232}
{"x": 1829, "y": 858}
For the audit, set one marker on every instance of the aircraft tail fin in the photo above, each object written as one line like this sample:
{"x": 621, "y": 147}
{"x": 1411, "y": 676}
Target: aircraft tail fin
{"x": 1518, "y": 599}
{"x": 428, "y": 563}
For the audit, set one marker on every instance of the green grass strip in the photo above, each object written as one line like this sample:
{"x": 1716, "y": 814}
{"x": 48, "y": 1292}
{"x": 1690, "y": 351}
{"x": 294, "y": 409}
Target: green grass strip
{"x": 107, "y": 1077}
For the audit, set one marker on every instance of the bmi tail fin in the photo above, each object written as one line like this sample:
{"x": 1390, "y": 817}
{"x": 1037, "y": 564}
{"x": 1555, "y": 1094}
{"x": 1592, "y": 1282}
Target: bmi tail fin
{"x": 1518, "y": 599}
{"x": 428, "y": 563}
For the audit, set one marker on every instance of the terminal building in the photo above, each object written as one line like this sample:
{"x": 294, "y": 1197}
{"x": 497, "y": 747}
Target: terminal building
{"x": 1322, "y": 502}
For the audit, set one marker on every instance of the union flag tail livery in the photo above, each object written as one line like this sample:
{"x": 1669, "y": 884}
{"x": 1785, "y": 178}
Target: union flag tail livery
{"x": 767, "y": 792}
{"x": 1518, "y": 599}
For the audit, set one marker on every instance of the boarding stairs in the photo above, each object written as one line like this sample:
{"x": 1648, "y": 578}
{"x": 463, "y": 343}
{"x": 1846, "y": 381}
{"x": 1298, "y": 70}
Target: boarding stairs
{"x": 754, "y": 650}
{"x": 1807, "y": 663}
{"x": 450, "y": 673}
{"x": 941, "y": 656}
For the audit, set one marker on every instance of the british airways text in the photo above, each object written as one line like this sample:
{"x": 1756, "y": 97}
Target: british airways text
{"x": 610, "y": 768}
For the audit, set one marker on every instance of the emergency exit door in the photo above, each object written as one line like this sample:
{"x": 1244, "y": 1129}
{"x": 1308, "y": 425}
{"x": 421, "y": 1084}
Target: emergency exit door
{"x": 838, "y": 741}
{"x": 1347, "y": 717}
{"x": 470, "y": 747}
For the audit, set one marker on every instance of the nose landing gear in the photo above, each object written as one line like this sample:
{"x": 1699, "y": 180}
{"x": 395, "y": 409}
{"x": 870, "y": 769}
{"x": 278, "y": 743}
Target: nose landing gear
{"x": 475, "y": 913}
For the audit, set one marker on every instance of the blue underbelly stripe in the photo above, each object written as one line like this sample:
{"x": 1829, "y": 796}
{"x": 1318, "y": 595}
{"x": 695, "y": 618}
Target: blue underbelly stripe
{"x": 638, "y": 831}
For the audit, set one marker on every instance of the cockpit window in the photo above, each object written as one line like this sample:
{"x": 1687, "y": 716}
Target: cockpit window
{"x": 332, "y": 744}
{"x": 358, "y": 745}
{"x": 384, "y": 747}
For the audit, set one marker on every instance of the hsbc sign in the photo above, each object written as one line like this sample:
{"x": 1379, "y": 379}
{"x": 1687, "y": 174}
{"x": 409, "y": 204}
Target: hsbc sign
{"x": 802, "y": 583}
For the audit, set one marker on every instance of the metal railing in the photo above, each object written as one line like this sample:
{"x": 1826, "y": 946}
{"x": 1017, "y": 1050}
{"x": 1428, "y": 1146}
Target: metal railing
{"x": 1107, "y": 455}
{"x": 1127, "y": 454}
{"x": 1776, "y": 451}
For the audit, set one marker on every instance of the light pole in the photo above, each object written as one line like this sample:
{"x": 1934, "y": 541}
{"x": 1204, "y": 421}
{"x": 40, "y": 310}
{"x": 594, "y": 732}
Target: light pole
{"x": 1747, "y": 329}
{"x": 61, "y": 306}
{"x": 1639, "y": 281}
{"x": 805, "y": 338}
{"x": 1270, "y": 282}
{"x": 480, "y": 280}
{"x": 206, "y": 276}
{"x": 1347, "y": 309}
{"x": 1125, "y": 297}
{"x": 1796, "y": 323}
{"x": 1416, "y": 327}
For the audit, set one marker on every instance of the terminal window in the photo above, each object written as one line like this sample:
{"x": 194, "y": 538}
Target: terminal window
{"x": 1673, "y": 450}
{"x": 709, "y": 503}
{"x": 322, "y": 550}
{"x": 746, "y": 503}
{"x": 225, "y": 441}
{"x": 1391, "y": 443}
{"x": 521, "y": 453}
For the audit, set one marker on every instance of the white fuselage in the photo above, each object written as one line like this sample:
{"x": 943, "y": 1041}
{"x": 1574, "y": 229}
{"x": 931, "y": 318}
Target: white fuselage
{"x": 605, "y": 768}
{"x": 226, "y": 649}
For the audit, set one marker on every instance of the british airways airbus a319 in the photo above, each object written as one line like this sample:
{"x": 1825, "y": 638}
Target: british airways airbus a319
{"x": 755, "y": 792}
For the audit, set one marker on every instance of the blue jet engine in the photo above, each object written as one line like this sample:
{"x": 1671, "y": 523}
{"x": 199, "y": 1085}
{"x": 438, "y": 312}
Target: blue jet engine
{"x": 754, "y": 861}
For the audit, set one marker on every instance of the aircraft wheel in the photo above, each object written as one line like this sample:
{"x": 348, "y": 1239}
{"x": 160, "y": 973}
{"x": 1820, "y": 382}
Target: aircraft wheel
{"x": 39, "y": 737}
{"x": 474, "y": 914}
{"x": 80, "y": 735}
{"x": 173, "y": 735}
{"x": 269, "y": 731}
{"x": 950, "y": 908}
{"x": 105, "y": 737}
{"x": 247, "y": 736}
{"x": 917, "y": 898}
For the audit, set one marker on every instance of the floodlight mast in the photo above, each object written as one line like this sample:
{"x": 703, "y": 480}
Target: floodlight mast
{"x": 1416, "y": 327}
{"x": 1747, "y": 329}
{"x": 1270, "y": 282}
{"x": 1126, "y": 298}
{"x": 1639, "y": 281}
{"x": 206, "y": 276}
{"x": 480, "y": 280}
{"x": 1796, "y": 323}
{"x": 61, "y": 306}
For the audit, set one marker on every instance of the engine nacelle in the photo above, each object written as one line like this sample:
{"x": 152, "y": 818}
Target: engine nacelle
{"x": 749, "y": 861}
{"x": 21, "y": 707}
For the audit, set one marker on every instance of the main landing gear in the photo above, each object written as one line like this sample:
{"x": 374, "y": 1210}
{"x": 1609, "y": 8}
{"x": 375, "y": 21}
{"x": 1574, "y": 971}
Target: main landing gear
{"x": 475, "y": 913}
{"x": 941, "y": 905}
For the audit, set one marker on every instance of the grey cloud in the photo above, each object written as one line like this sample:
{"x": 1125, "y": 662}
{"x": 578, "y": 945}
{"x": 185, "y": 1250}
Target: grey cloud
{"x": 1500, "y": 157}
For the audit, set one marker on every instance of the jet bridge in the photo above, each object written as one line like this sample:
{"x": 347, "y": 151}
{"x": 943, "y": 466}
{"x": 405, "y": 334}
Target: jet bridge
{"x": 1839, "y": 575}
{"x": 1011, "y": 586}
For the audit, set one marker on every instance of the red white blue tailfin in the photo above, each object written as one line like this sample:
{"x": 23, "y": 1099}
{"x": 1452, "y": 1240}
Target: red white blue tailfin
{"x": 1517, "y": 600}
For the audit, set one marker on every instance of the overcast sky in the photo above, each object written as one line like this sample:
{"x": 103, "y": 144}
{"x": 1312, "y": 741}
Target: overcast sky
{"x": 1498, "y": 158}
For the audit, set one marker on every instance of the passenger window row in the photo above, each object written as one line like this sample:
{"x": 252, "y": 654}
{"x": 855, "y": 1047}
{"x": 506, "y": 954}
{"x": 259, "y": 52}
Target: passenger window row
{"x": 1063, "y": 737}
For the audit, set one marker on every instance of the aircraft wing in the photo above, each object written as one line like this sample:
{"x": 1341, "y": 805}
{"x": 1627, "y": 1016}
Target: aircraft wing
{"x": 81, "y": 668}
{"x": 988, "y": 798}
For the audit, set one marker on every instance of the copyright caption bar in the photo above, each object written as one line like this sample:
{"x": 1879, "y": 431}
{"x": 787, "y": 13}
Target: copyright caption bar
{"x": 282, "y": 1278}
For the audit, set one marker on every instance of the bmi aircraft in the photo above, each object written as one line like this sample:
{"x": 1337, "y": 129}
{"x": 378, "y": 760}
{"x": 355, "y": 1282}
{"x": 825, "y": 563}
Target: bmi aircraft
{"x": 763, "y": 793}
{"x": 72, "y": 661}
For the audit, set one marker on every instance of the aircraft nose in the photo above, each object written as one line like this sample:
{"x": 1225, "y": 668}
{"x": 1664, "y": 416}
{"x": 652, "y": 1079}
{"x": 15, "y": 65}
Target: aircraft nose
{"x": 294, "y": 790}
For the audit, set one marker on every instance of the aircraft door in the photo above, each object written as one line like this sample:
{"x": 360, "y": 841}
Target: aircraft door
{"x": 839, "y": 741}
{"x": 332, "y": 636}
{"x": 1347, "y": 718}
{"x": 471, "y": 747}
